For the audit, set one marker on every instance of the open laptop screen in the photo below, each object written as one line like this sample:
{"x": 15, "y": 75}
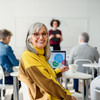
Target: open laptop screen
{"x": 57, "y": 59}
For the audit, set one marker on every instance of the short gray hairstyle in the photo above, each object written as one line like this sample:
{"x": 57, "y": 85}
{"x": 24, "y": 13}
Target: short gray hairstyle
{"x": 4, "y": 33}
{"x": 29, "y": 46}
{"x": 84, "y": 36}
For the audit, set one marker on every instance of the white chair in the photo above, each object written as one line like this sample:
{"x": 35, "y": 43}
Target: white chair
{"x": 95, "y": 88}
{"x": 81, "y": 68}
{"x": 25, "y": 91}
{"x": 2, "y": 86}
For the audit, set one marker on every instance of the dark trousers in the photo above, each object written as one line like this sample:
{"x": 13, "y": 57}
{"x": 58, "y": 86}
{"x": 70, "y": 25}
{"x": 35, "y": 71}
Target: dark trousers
{"x": 75, "y": 86}
{"x": 76, "y": 82}
{"x": 56, "y": 47}
{"x": 8, "y": 80}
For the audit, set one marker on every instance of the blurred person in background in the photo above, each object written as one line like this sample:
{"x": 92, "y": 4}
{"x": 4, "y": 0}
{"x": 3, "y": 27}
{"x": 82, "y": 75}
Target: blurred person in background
{"x": 7, "y": 58}
{"x": 55, "y": 35}
{"x": 83, "y": 51}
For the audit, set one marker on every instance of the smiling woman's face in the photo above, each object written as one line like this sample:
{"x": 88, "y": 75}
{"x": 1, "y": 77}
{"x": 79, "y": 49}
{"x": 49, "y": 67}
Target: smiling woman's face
{"x": 39, "y": 39}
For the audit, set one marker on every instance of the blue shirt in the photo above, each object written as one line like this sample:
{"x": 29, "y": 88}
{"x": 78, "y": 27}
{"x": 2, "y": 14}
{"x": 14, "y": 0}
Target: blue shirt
{"x": 7, "y": 58}
{"x": 84, "y": 43}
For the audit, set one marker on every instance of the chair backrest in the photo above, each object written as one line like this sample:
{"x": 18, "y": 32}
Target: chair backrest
{"x": 97, "y": 89}
{"x": 25, "y": 91}
{"x": 81, "y": 68}
{"x": 2, "y": 76}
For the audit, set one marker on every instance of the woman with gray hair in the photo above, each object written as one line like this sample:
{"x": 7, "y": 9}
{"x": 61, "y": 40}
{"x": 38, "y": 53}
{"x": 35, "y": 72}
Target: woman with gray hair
{"x": 35, "y": 71}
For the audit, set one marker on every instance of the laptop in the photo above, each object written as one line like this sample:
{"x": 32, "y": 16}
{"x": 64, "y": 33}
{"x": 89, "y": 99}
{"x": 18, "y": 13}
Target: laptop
{"x": 57, "y": 59}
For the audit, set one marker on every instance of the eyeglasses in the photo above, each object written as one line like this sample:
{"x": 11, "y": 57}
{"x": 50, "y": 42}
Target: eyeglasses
{"x": 37, "y": 35}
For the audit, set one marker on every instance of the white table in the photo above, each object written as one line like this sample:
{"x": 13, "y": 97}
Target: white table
{"x": 79, "y": 75}
{"x": 15, "y": 68}
{"x": 15, "y": 85}
{"x": 92, "y": 66}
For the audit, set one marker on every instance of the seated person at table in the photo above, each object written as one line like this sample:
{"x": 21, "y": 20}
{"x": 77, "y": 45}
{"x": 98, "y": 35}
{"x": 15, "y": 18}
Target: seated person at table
{"x": 83, "y": 51}
{"x": 7, "y": 57}
{"x": 35, "y": 71}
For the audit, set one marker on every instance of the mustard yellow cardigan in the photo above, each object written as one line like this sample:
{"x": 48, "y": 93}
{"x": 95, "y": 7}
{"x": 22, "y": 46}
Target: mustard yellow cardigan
{"x": 40, "y": 78}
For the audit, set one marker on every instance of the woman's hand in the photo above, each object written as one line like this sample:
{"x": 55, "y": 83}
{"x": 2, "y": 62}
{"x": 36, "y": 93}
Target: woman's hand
{"x": 73, "y": 98}
{"x": 65, "y": 68}
{"x": 51, "y": 36}
{"x": 58, "y": 35}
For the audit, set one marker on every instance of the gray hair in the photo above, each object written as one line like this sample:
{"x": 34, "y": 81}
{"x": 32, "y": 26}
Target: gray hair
{"x": 84, "y": 36}
{"x": 4, "y": 33}
{"x": 29, "y": 46}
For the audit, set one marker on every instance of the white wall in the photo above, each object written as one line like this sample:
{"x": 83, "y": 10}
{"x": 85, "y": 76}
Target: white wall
{"x": 11, "y": 10}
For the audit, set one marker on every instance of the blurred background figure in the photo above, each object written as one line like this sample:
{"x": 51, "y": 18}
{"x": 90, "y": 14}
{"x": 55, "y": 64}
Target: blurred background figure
{"x": 83, "y": 51}
{"x": 7, "y": 58}
{"x": 55, "y": 35}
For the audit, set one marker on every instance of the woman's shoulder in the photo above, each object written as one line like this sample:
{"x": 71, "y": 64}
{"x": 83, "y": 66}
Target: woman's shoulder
{"x": 8, "y": 48}
{"x": 50, "y": 30}
{"x": 55, "y": 30}
{"x": 59, "y": 30}
{"x": 26, "y": 53}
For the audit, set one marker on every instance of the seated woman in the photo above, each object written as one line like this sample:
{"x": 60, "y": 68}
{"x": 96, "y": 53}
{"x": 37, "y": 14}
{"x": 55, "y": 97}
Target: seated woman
{"x": 35, "y": 71}
{"x": 95, "y": 84}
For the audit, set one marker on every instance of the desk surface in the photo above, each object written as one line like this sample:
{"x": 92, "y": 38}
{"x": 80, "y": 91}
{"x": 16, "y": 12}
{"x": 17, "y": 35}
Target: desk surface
{"x": 67, "y": 74}
{"x": 15, "y": 68}
{"x": 14, "y": 74}
{"x": 92, "y": 65}
{"x": 77, "y": 75}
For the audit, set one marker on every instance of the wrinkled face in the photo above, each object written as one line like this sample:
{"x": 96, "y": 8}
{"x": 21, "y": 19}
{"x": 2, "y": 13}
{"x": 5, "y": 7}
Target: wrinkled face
{"x": 39, "y": 39}
{"x": 55, "y": 24}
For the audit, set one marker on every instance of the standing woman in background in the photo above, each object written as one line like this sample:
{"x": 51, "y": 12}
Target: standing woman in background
{"x": 55, "y": 35}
